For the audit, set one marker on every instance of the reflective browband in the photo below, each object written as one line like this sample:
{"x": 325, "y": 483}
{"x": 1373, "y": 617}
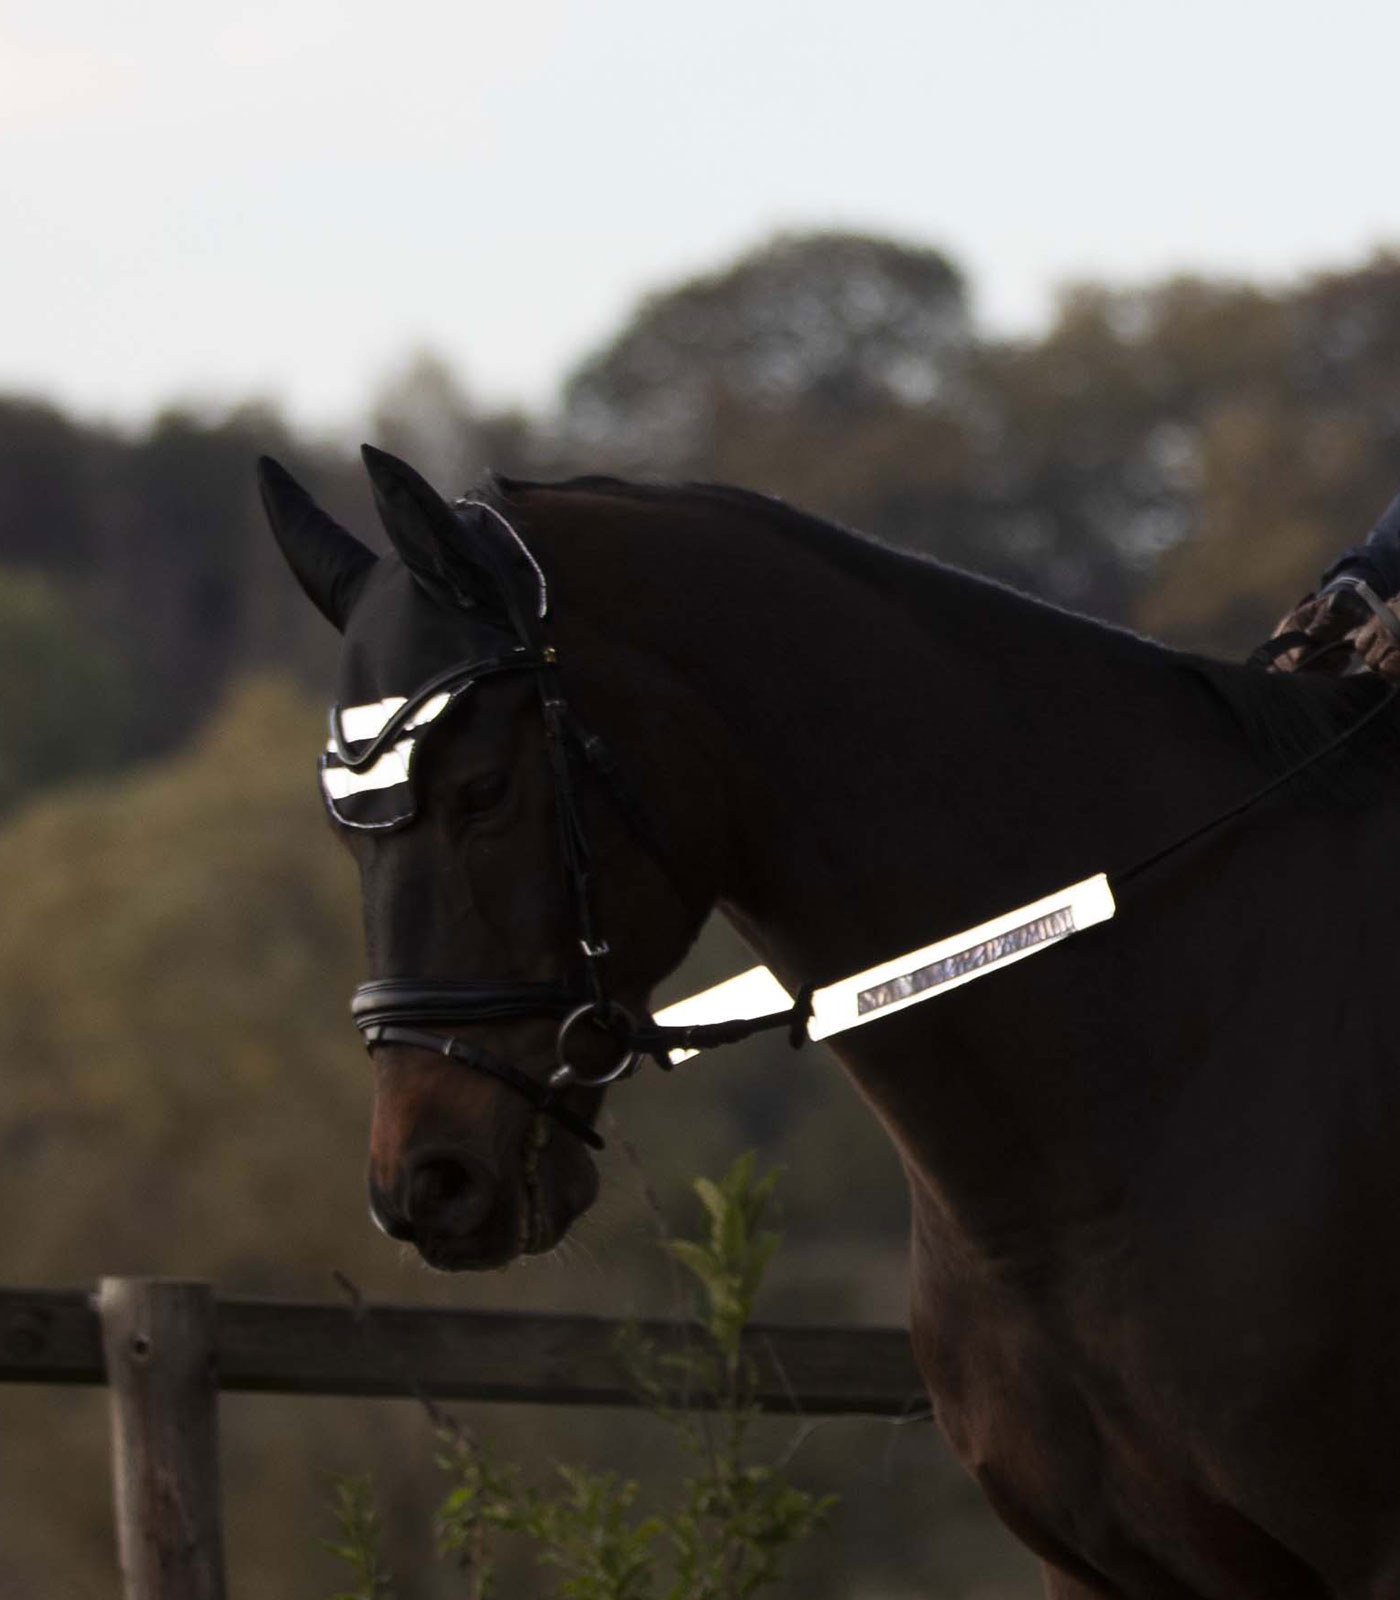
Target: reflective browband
{"x": 461, "y": 676}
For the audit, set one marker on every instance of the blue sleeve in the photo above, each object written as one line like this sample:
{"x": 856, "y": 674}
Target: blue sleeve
{"x": 1378, "y": 560}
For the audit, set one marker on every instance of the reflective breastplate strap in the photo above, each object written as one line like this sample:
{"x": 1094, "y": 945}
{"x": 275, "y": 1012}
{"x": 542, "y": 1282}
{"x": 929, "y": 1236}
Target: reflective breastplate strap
{"x": 658, "y": 1041}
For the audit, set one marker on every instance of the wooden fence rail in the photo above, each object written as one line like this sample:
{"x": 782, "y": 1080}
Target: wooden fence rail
{"x": 304, "y": 1347}
{"x": 166, "y": 1349}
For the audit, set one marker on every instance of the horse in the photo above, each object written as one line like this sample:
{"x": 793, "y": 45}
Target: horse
{"x": 1153, "y": 1170}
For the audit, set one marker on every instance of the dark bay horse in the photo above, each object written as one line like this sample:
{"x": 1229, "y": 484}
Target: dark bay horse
{"x": 1155, "y": 1170}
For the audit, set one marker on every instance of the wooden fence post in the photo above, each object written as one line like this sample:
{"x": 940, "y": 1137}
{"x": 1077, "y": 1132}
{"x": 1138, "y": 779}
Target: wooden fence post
{"x": 158, "y": 1339}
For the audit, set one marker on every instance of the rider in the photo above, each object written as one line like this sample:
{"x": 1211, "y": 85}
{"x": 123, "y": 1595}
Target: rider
{"x": 1358, "y": 602}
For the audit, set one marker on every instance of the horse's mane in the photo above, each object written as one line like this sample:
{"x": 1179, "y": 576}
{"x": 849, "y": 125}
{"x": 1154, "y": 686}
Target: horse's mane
{"x": 1282, "y": 717}
{"x": 1288, "y": 717}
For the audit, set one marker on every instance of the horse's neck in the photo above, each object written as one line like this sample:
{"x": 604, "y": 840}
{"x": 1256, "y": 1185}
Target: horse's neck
{"x": 902, "y": 766}
{"x": 917, "y": 779}
{"x": 906, "y": 768}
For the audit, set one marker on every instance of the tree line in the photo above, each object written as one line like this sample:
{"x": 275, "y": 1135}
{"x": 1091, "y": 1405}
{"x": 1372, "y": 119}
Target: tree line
{"x": 1181, "y": 456}
{"x": 186, "y": 1095}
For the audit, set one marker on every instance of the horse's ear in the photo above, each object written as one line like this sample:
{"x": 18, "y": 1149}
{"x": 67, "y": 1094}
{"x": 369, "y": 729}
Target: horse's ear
{"x": 330, "y": 564}
{"x": 427, "y": 533}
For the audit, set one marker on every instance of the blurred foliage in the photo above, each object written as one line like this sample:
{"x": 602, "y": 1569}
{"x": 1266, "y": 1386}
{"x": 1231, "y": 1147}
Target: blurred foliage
{"x": 730, "y": 1261}
{"x": 159, "y": 549}
{"x": 1291, "y": 466}
{"x": 1182, "y": 456}
{"x": 422, "y": 413}
{"x": 182, "y": 1092}
{"x": 825, "y": 327}
{"x": 66, "y": 698}
{"x": 731, "y": 1528}
{"x": 361, "y": 1540}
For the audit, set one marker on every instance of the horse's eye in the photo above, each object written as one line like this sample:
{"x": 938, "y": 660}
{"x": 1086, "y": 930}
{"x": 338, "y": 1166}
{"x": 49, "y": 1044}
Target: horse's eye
{"x": 483, "y": 793}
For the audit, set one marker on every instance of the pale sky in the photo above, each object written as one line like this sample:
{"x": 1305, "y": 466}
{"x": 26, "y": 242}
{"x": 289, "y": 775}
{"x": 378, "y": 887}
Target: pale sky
{"x": 283, "y": 200}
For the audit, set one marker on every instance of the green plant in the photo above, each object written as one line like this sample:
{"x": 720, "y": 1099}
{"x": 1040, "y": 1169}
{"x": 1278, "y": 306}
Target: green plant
{"x": 359, "y": 1543}
{"x": 735, "y": 1518}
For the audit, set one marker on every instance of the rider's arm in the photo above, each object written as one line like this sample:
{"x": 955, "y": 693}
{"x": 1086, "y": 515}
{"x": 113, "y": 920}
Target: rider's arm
{"x": 1378, "y": 560}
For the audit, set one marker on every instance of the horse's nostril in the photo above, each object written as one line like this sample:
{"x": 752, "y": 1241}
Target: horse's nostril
{"x": 447, "y": 1193}
{"x": 434, "y": 1184}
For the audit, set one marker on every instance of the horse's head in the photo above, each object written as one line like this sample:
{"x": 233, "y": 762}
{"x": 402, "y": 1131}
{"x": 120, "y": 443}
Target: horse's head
{"x": 520, "y": 900}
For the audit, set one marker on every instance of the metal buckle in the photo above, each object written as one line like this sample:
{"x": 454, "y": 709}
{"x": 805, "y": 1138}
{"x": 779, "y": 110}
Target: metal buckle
{"x": 565, "y": 1075}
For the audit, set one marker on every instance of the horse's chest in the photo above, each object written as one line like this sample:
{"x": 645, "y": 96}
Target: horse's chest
{"x": 1077, "y": 1460}
{"x": 1015, "y": 1410}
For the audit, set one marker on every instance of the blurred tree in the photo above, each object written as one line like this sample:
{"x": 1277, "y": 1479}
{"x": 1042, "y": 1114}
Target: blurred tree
{"x": 155, "y": 547}
{"x": 843, "y": 373}
{"x": 1298, "y": 450}
{"x": 66, "y": 697}
{"x": 52, "y": 472}
{"x": 826, "y": 326}
{"x": 175, "y": 540}
{"x": 1091, "y": 444}
{"x": 422, "y": 413}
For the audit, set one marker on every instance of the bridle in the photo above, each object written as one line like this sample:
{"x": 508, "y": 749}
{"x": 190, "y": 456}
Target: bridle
{"x": 409, "y": 1011}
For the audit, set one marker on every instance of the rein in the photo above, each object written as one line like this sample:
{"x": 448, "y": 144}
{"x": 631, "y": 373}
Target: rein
{"x": 1126, "y": 874}
{"x": 404, "y": 1011}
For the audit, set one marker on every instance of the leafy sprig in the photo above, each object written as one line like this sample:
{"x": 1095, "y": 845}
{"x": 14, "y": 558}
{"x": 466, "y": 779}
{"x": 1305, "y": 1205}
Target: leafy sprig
{"x": 735, "y": 1519}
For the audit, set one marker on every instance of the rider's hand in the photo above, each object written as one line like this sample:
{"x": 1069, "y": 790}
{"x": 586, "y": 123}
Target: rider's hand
{"x": 1323, "y": 619}
{"x": 1378, "y": 647}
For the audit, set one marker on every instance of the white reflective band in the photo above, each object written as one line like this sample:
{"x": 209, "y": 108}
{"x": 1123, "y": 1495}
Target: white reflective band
{"x": 905, "y": 981}
{"x": 389, "y": 771}
{"x": 752, "y": 994}
{"x": 359, "y": 723}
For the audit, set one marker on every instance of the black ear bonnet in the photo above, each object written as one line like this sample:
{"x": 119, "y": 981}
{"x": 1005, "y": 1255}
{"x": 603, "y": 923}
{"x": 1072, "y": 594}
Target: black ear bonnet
{"x": 421, "y": 633}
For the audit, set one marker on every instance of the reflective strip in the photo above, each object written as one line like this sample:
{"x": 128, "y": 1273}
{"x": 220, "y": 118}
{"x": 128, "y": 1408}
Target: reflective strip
{"x": 908, "y": 979}
{"x": 387, "y": 773}
{"x": 361, "y": 723}
{"x": 905, "y": 981}
{"x": 358, "y": 724}
{"x": 752, "y": 994}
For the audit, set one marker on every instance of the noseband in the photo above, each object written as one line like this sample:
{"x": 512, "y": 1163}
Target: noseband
{"x": 407, "y": 1011}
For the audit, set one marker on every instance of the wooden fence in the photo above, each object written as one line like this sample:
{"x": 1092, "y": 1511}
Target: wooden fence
{"x": 167, "y": 1348}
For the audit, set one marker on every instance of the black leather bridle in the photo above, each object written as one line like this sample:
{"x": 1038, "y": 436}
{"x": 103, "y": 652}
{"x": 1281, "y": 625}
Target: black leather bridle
{"x": 397, "y": 1011}
{"x": 406, "y": 1011}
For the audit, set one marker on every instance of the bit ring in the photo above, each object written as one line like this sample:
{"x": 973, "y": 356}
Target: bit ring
{"x": 566, "y": 1075}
